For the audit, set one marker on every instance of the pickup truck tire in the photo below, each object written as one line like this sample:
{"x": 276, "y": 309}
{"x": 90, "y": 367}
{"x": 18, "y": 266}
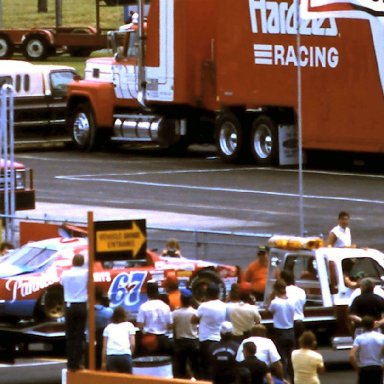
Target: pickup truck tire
{"x": 82, "y": 125}
{"x": 229, "y": 137}
{"x": 35, "y": 47}
{"x": 51, "y": 304}
{"x": 199, "y": 283}
{"x": 6, "y": 47}
{"x": 264, "y": 141}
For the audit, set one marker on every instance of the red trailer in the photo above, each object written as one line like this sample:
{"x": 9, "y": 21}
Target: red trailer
{"x": 214, "y": 71}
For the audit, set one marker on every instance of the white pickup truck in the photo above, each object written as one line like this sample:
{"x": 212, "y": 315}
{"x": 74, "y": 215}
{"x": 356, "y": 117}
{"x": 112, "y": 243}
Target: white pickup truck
{"x": 39, "y": 99}
{"x": 321, "y": 272}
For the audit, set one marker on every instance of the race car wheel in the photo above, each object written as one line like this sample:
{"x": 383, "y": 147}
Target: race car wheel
{"x": 199, "y": 284}
{"x": 51, "y": 304}
{"x": 35, "y": 48}
{"x": 264, "y": 141}
{"x": 82, "y": 126}
{"x": 229, "y": 137}
{"x": 6, "y": 47}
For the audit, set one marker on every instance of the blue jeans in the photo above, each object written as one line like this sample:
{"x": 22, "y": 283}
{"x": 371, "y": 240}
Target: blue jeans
{"x": 119, "y": 363}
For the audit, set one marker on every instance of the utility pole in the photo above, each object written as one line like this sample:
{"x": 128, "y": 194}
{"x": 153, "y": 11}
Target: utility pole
{"x": 59, "y": 13}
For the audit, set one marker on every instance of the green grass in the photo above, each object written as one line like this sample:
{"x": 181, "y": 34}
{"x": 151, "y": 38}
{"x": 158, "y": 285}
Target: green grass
{"x": 23, "y": 14}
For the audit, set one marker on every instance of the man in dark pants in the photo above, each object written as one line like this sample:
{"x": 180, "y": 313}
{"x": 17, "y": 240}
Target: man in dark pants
{"x": 252, "y": 370}
{"x": 75, "y": 281}
{"x": 367, "y": 352}
{"x": 223, "y": 356}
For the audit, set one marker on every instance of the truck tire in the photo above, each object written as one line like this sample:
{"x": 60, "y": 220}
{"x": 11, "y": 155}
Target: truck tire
{"x": 51, "y": 304}
{"x": 264, "y": 141}
{"x": 6, "y": 47}
{"x": 230, "y": 138}
{"x": 83, "y": 128}
{"x": 199, "y": 283}
{"x": 35, "y": 47}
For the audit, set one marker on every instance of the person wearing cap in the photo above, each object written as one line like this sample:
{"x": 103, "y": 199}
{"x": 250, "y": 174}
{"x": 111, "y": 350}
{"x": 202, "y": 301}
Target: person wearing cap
{"x": 185, "y": 338}
{"x": 257, "y": 271}
{"x": 155, "y": 319}
{"x": 223, "y": 356}
{"x": 210, "y": 315}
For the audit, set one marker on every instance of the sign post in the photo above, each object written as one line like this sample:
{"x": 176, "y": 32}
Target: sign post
{"x": 109, "y": 241}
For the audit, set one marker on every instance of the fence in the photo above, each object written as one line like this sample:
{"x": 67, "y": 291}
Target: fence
{"x": 229, "y": 247}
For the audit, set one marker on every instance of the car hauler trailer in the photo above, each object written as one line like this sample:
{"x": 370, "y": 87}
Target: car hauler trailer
{"x": 212, "y": 71}
{"x": 40, "y": 42}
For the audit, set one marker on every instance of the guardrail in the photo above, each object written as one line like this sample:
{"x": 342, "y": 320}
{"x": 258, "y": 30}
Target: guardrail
{"x": 230, "y": 247}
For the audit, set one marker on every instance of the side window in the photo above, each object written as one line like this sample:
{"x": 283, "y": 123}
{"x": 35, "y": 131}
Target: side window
{"x": 27, "y": 83}
{"x": 360, "y": 267}
{"x": 5, "y": 80}
{"x": 59, "y": 82}
{"x": 18, "y": 83}
{"x": 305, "y": 272}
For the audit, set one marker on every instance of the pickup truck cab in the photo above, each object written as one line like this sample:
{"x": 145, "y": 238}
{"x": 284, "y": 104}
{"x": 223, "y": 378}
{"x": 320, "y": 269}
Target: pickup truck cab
{"x": 39, "y": 99}
{"x": 321, "y": 272}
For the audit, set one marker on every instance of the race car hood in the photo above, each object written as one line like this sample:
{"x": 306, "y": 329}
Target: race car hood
{"x": 9, "y": 270}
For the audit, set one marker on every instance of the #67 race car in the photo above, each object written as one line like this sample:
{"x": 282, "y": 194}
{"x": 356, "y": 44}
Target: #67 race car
{"x": 30, "y": 278}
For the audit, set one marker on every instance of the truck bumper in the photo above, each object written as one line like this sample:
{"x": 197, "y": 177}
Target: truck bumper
{"x": 23, "y": 200}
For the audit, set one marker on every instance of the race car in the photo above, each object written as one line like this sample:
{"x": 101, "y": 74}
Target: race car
{"x": 30, "y": 278}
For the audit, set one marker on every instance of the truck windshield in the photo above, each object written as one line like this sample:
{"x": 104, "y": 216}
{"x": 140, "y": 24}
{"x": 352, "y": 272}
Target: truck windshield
{"x": 125, "y": 43}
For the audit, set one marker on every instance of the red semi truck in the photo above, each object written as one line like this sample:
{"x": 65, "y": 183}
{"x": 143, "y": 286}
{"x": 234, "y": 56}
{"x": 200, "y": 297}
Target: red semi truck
{"x": 214, "y": 71}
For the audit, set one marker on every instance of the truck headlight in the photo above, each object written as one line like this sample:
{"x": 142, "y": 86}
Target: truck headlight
{"x": 20, "y": 179}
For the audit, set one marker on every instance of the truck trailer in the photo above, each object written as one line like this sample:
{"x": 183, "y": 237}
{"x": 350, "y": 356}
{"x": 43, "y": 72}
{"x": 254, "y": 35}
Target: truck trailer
{"x": 241, "y": 76}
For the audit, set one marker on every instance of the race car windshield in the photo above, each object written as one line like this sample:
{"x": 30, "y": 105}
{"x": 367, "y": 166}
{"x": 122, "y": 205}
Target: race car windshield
{"x": 30, "y": 258}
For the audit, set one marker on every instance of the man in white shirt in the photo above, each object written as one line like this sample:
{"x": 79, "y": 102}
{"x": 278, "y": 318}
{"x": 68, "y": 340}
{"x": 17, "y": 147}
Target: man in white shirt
{"x": 266, "y": 351}
{"x": 367, "y": 353}
{"x": 298, "y": 297}
{"x": 186, "y": 338}
{"x": 75, "y": 283}
{"x": 340, "y": 236}
{"x": 210, "y": 315}
{"x": 155, "y": 318}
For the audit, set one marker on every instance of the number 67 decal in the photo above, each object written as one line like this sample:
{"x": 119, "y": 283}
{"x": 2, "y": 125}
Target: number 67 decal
{"x": 126, "y": 287}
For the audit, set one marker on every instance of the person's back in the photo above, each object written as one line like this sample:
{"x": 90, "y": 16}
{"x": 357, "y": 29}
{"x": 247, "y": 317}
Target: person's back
{"x": 223, "y": 356}
{"x": 251, "y": 369}
{"x": 306, "y": 362}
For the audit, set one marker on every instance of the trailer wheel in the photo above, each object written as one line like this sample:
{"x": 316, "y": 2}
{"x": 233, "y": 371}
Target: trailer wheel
{"x": 230, "y": 137}
{"x": 264, "y": 141}
{"x": 6, "y": 47}
{"x": 51, "y": 304}
{"x": 82, "y": 125}
{"x": 199, "y": 284}
{"x": 35, "y": 48}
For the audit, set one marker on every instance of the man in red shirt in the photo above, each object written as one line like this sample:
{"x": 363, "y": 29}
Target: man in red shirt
{"x": 256, "y": 273}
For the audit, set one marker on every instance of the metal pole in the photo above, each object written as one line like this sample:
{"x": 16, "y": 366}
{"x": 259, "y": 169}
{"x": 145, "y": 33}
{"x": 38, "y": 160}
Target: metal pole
{"x": 91, "y": 294}
{"x": 299, "y": 121}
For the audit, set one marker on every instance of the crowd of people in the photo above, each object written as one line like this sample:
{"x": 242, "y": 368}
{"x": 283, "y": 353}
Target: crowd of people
{"x": 224, "y": 341}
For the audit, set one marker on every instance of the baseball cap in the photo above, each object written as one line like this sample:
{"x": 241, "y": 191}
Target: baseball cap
{"x": 262, "y": 249}
{"x": 186, "y": 292}
{"x": 226, "y": 327}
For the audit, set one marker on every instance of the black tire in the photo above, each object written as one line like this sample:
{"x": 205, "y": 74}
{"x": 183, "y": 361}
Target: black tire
{"x": 229, "y": 137}
{"x": 6, "y": 47}
{"x": 51, "y": 304}
{"x": 35, "y": 47}
{"x": 82, "y": 126}
{"x": 199, "y": 283}
{"x": 264, "y": 141}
